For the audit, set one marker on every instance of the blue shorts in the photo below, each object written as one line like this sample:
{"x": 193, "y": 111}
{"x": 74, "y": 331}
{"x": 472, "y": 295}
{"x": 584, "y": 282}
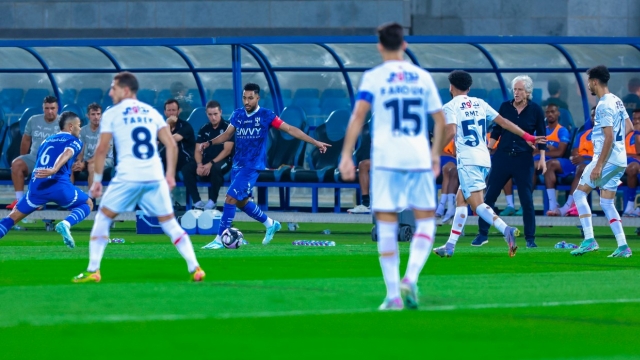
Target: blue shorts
{"x": 567, "y": 167}
{"x": 632, "y": 160}
{"x": 242, "y": 182}
{"x": 445, "y": 159}
{"x": 65, "y": 195}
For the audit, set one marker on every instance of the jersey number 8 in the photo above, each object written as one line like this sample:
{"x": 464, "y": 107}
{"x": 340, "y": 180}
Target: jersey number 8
{"x": 142, "y": 147}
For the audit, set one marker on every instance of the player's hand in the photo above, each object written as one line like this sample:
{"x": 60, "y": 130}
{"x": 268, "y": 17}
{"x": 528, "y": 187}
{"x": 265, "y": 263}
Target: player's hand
{"x": 542, "y": 166}
{"x": 576, "y": 160}
{"x": 596, "y": 173}
{"x": 44, "y": 173}
{"x": 172, "y": 119}
{"x": 435, "y": 166}
{"x": 203, "y": 146}
{"x": 347, "y": 168}
{"x": 206, "y": 169}
{"x": 321, "y": 146}
{"x": 78, "y": 166}
{"x": 96, "y": 189}
{"x": 199, "y": 170}
{"x": 171, "y": 181}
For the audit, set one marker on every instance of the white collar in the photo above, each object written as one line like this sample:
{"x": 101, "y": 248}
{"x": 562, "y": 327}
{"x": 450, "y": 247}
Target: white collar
{"x": 254, "y": 111}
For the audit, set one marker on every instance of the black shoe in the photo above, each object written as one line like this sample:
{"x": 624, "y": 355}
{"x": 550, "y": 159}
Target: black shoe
{"x": 480, "y": 240}
{"x": 531, "y": 244}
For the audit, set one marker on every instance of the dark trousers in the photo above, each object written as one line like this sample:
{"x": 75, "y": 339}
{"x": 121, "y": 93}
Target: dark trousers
{"x": 518, "y": 166}
{"x": 215, "y": 178}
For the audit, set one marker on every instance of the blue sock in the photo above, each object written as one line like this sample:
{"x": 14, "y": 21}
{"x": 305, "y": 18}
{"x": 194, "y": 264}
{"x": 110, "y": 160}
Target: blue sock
{"x": 5, "y": 225}
{"x": 78, "y": 214}
{"x": 228, "y": 213}
{"x": 630, "y": 195}
{"x": 254, "y": 211}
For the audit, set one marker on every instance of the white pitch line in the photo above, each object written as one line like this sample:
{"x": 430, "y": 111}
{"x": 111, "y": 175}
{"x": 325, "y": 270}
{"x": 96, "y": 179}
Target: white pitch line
{"x": 50, "y": 320}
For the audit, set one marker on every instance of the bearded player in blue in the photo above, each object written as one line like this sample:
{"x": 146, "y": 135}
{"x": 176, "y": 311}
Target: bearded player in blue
{"x": 251, "y": 128}
{"x": 50, "y": 181}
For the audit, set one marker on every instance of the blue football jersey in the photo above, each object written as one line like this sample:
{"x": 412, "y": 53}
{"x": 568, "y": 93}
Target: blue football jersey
{"x": 251, "y": 137}
{"x": 48, "y": 152}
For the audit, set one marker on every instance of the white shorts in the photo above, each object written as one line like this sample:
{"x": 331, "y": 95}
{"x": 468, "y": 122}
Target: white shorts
{"x": 154, "y": 198}
{"x": 472, "y": 178}
{"x": 609, "y": 180}
{"x": 396, "y": 190}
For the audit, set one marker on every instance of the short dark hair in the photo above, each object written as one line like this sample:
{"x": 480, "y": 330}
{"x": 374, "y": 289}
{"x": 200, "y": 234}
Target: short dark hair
{"x": 552, "y": 104}
{"x": 93, "y": 107}
{"x": 126, "y": 79}
{"x": 171, "y": 101}
{"x": 553, "y": 86}
{"x": 50, "y": 99}
{"x": 252, "y": 87}
{"x": 213, "y": 104}
{"x": 390, "y": 36}
{"x": 600, "y": 73}
{"x": 634, "y": 84}
{"x": 65, "y": 117}
{"x": 635, "y": 111}
{"x": 460, "y": 79}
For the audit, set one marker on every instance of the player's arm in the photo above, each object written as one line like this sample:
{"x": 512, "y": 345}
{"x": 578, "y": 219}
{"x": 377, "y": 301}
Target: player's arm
{"x": 628, "y": 126}
{"x": 224, "y": 137}
{"x": 60, "y": 161}
{"x": 347, "y": 167}
{"x": 25, "y": 144}
{"x": 171, "y": 152}
{"x": 100, "y": 156}
{"x": 438, "y": 137}
{"x": 607, "y": 146}
{"x": 515, "y": 129}
{"x": 450, "y": 132}
{"x": 298, "y": 134}
{"x": 227, "y": 148}
{"x": 79, "y": 164}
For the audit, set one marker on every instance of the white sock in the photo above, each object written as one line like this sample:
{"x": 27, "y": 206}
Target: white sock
{"x": 630, "y": 206}
{"x": 569, "y": 202}
{"x": 583, "y": 209}
{"x": 421, "y": 245}
{"x": 458, "y": 224}
{"x": 182, "y": 241}
{"x": 443, "y": 199}
{"x": 553, "y": 201}
{"x": 451, "y": 202}
{"x": 612, "y": 214}
{"x": 510, "y": 201}
{"x": 486, "y": 213}
{"x": 99, "y": 240}
{"x": 19, "y": 195}
{"x": 268, "y": 223}
{"x": 389, "y": 257}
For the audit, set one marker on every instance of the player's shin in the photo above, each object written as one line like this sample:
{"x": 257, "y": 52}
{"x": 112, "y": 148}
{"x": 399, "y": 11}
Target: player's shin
{"x": 389, "y": 257}
{"x": 421, "y": 246}
{"x": 5, "y": 225}
{"x": 458, "y": 224}
{"x": 182, "y": 241}
{"x": 99, "y": 240}
{"x": 613, "y": 216}
{"x": 255, "y": 213}
{"x": 228, "y": 213}
{"x": 580, "y": 197}
{"x": 487, "y": 214}
{"x": 78, "y": 214}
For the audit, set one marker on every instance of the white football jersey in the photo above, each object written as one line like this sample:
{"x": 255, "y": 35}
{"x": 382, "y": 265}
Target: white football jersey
{"x": 134, "y": 126}
{"x": 401, "y": 95}
{"x": 471, "y": 115}
{"x": 610, "y": 111}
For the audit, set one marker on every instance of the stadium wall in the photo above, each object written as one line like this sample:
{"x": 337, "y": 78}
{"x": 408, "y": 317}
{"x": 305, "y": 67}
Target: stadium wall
{"x": 205, "y": 18}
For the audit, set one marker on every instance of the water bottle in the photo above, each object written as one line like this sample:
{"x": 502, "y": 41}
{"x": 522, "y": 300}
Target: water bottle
{"x": 326, "y": 232}
{"x": 116, "y": 241}
{"x": 293, "y": 226}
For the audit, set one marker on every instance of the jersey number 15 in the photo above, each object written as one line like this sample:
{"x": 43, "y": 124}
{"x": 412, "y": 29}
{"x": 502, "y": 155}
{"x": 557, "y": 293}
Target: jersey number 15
{"x": 402, "y": 112}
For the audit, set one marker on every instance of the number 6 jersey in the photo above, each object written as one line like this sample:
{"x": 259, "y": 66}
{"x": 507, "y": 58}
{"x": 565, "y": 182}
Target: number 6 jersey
{"x": 471, "y": 116}
{"x": 401, "y": 95}
{"x": 134, "y": 126}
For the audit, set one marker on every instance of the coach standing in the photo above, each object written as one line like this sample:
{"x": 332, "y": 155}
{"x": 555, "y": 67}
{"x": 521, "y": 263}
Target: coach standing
{"x": 514, "y": 158}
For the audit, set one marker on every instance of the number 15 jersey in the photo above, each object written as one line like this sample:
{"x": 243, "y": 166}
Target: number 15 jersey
{"x": 471, "y": 115}
{"x": 134, "y": 126}
{"x": 401, "y": 95}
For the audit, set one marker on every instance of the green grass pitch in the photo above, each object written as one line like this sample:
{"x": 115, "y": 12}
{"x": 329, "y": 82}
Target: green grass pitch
{"x": 293, "y": 302}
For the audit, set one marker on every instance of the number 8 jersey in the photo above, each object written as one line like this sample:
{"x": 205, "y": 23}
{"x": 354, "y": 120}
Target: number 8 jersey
{"x": 134, "y": 126}
{"x": 471, "y": 116}
{"x": 401, "y": 95}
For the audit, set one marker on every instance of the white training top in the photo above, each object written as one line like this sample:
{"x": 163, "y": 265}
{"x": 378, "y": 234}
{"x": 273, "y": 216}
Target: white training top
{"x": 401, "y": 95}
{"x": 610, "y": 111}
{"x": 134, "y": 126}
{"x": 471, "y": 115}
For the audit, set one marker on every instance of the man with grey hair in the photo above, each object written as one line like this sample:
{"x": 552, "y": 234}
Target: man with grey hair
{"x": 514, "y": 159}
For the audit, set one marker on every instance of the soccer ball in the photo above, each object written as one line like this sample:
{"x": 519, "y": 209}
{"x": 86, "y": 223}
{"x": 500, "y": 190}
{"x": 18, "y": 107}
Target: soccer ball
{"x": 232, "y": 238}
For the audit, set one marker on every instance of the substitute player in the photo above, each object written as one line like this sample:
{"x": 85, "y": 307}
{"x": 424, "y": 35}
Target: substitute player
{"x": 51, "y": 180}
{"x": 250, "y": 125}
{"x": 609, "y": 162}
{"x": 135, "y": 128}
{"x": 403, "y": 167}
{"x": 467, "y": 119}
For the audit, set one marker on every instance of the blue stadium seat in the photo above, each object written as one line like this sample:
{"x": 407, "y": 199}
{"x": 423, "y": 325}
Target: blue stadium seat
{"x": 106, "y": 101}
{"x": 163, "y": 96}
{"x": 495, "y": 99}
{"x": 222, "y": 94}
{"x": 77, "y": 110}
{"x": 323, "y": 165}
{"x": 266, "y": 101}
{"x": 198, "y": 118}
{"x": 479, "y": 93}
{"x": 26, "y": 115}
{"x": 445, "y": 96}
{"x": 10, "y": 150}
{"x": 537, "y": 96}
{"x": 147, "y": 96}
{"x": 226, "y": 98}
{"x": 10, "y": 98}
{"x": 88, "y": 96}
{"x": 193, "y": 97}
{"x": 286, "y": 93}
{"x": 285, "y": 151}
{"x": 68, "y": 96}
{"x": 33, "y": 97}
{"x": 333, "y": 93}
{"x": 307, "y": 93}
{"x": 330, "y": 104}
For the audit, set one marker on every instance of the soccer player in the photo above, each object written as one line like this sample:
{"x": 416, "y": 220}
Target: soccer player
{"x": 609, "y": 162}
{"x": 450, "y": 183}
{"x": 467, "y": 119}
{"x": 632, "y": 145}
{"x": 135, "y": 128}
{"x": 403, "y": 167}
{"x": 51, "y": 180}
{"x": 250, "y": 125}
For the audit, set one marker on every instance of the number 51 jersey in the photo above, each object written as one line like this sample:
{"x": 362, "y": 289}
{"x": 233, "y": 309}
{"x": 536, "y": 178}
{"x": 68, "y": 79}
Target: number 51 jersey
{"x": 471, "y": 116}
{"x": 134, "y": 126}
{"x": 401, "y": 95}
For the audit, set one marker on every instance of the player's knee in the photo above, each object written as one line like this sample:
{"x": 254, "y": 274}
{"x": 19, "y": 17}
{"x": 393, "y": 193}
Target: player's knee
{"x": 172, "y": 229}
{"x": 579, "y": 195}
{"x": 230, "y": 200}
{"x": 90, "y": 203}
{"x": 18, "y": 166}
{"x": 364, "y": 165}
